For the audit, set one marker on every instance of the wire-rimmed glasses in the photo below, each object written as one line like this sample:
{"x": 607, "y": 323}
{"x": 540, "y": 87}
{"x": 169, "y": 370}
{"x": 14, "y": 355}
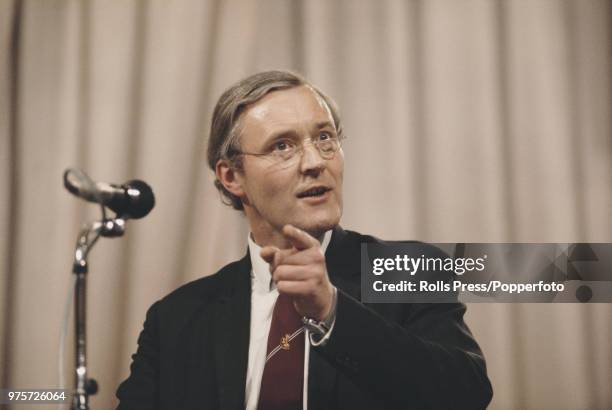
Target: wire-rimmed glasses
{"x": 286, "y": 149}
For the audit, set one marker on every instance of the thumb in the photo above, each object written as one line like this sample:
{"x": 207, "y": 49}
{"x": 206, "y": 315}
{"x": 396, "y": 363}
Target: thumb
{"x": 267, "y": 253}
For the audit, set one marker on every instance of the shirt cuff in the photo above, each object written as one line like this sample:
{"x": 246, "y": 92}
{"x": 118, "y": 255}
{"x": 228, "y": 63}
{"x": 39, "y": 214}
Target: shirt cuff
{"x": 317, "y": 339}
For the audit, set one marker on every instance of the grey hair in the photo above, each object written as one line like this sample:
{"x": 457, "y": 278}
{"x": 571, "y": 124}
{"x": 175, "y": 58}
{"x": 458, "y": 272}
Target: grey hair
{"x": 224, "y": 137}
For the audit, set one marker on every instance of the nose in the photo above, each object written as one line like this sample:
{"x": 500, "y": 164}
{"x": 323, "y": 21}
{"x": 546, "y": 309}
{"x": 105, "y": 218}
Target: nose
{"x": 311, "y": 162}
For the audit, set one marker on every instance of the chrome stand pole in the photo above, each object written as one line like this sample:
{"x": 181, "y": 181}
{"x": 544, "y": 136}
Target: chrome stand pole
{"x": 84, "y": 386}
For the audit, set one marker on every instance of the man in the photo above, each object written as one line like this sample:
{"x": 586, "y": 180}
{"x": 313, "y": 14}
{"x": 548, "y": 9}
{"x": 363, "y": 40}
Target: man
{"x": 283, "y": 327}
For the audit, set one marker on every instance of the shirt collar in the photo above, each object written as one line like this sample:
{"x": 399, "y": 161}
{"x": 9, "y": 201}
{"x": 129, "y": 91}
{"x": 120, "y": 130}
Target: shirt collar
{"x": 262, "y": 278}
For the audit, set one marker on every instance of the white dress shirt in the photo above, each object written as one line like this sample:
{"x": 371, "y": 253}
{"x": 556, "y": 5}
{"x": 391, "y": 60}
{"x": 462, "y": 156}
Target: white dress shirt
{"x": 263, "y": 298}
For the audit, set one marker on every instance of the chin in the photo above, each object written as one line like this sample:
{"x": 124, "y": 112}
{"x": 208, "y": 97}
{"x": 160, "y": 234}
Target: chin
{"x": 318, "y": 226}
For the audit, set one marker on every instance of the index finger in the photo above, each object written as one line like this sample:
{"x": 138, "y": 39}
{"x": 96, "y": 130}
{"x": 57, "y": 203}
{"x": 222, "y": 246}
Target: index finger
{"x": 299, "y": 239}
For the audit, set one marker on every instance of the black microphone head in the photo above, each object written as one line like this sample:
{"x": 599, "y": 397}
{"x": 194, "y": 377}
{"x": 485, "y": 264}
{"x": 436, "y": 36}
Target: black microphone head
{"x": 138, "y": 201}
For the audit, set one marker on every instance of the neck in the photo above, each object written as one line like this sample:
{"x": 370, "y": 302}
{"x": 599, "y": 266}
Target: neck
{"x": 267, "y": 235}
{"x": 270, "y": 238}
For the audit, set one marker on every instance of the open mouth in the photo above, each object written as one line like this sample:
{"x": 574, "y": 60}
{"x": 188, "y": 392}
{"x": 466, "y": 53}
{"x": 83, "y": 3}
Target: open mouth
{"x": 313, "y": 192}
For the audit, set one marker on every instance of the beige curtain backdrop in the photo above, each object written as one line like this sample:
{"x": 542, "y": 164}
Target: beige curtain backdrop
{"x": 469, "y": 120}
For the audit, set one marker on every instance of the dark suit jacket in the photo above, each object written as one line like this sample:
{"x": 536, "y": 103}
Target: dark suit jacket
{"x": 193, "y": 350}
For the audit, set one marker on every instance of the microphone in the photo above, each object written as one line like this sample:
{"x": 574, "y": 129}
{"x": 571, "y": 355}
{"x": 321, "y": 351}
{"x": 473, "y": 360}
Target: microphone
{"x": 133, "y": 199}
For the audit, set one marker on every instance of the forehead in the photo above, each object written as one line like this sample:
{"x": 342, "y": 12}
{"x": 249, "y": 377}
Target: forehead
{"x": 293, "y": 109}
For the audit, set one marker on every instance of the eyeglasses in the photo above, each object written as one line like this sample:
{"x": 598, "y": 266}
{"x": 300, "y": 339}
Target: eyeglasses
{"x": 286, "y": 149}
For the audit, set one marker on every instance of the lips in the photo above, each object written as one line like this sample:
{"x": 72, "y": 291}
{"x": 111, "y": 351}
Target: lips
{"x": 313, "y": 192}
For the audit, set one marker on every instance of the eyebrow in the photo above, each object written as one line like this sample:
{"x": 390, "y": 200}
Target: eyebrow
{"x": 292, "y": 134}
{"x": 318, "y": 125}
{"x": 324, "y": 124}
{"x": 281, "y": 134}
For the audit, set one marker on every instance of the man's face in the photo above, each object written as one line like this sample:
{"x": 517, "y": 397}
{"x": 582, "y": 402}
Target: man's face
{"x": 278, "y": 193}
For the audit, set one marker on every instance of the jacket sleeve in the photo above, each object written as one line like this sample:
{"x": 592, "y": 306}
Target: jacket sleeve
{"x": 140, "y": 390}
{"x": 428, "y": 359}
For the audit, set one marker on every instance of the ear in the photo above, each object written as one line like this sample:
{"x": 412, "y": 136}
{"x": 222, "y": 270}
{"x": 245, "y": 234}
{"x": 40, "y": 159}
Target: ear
{"x": 230, "y": 177}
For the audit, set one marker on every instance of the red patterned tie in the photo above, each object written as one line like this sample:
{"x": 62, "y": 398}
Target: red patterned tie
{"x": 282, "y": 383}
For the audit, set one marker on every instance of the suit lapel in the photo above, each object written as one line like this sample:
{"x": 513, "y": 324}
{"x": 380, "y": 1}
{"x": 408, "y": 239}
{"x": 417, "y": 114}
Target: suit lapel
{"x": 343, "y": 262}
{"x": 341, "y": 267}
{"x": 321, "y": 381}
{"x": 231, "y": 337}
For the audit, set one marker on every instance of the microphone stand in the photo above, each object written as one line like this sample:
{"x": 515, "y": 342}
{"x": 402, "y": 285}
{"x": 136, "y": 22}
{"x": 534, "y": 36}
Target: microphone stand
{"x": 87, "y": 238}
